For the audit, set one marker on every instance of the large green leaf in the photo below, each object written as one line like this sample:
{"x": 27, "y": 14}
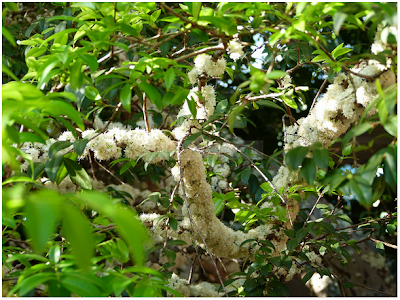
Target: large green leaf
{"x": 42, "y": 212}
{"x": 77, "y": 230}
{"x": 308, "y": 170}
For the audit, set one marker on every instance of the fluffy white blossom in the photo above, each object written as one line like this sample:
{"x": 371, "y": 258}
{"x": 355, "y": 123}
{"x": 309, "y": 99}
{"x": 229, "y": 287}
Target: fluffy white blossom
{"x": 193, "y": 75}
{"x": 205, "y": 104}
{"x": 235, "y": 50}
{"x": 204, "y": 63}
{"x": 286, "y": 81}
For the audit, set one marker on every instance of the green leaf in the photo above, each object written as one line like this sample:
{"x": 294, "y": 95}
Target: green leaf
{"x": 169, "y": 78}
{"x": 77, "y": 230}
{"x": 77, "y": 174}
{"x": 8, "y": 36}
{"x": 390, "y": 167}
{"x": 391, "y": 125}
{"x": 57, "y": 146}
{"x": 245, "y": 175}
{"x": 271, "y": 104}
{"x": 321, "y": 156}
{"x": 356, "y": 131}
{"x": 80, "y": 286}
{"x": 275, "y": 74}
{"x": 152, "y": 93}
{"x": 301, "y": 234}
{"x": 126, "y": 224}
{"x": 212, "y": 160}
{"x": 89, "y": 60}
{"x": 307, "y": 276}
{"x": 192, "y": 107}
{"x": 347, "y": 150}
{"x": 191, "y": 139}
{"x": 80, "y": 145}
{"x": 42, "y": 212}
{"x": 76, "y": 75}
{"x": 338, "y": 20}
{"x": 294, "y": 157}
{"x": 126, "y": 97}
{"x": 219, "y": 205}
{"x": 308, "y": 170}
{"x": 233, "y": 115}
{"x": 52, "y": 166}
{"x": 173, "y": 223}
{"x": 29, "y": 283}
{"x": 54, "y": 254}
{"x": 362, "y": 191}
{"x": 30, "y": 137}
{"x": 19, "y": 179}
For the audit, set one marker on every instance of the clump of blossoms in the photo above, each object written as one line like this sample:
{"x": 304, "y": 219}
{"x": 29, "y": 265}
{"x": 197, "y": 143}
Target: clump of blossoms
{"x": 235, "y": 50}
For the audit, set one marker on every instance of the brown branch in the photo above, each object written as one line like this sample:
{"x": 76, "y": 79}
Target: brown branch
{"x": 313, "y": 208}
{"x": 385, "y": 243}
{"x": 318, "y": 93}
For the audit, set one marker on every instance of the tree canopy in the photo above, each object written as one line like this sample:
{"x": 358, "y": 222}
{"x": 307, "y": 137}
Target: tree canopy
{"x": 198, "y": 149}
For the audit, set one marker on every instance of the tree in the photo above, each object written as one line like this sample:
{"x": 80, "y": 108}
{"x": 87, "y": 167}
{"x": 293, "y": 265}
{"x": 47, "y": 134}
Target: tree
{"x": 121, "y": 156}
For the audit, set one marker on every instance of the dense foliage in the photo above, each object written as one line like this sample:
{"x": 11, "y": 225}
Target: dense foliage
{"x": 127, "y": 162}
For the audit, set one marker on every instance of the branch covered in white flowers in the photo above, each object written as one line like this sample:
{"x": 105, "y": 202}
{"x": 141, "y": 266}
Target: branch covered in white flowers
{"x": 340, "y": 107}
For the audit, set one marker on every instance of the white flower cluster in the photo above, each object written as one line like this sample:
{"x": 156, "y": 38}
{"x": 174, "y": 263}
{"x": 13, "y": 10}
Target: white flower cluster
{"x": 286, "y": 81}
{"x": 205, "y": 63}
{"x": 205, "y": 104}
{"x": 379, "y": 45}
{"x": 203, "y": 289}
{"x": 340, "y": 106}
{"x": 235, "y": 50}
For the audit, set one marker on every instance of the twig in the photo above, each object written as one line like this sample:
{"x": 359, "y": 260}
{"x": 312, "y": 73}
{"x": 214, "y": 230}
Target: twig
{"x": 385, "y": 243}
{"x": 318, "y": 93}
{"x": 105, "y": 169}
{"x": 367, "y": 288}
{"x": 204, "y": 50}
{"x": 313, "y": 208}
{"x": 146, "y": 117}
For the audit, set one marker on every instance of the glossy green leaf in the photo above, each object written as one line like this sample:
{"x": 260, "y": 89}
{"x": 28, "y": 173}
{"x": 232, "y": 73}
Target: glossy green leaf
{"x": 80, "y": 145}
{"x": 152, "y": 93}
{"x": 391, "y": 125}
{"x": 77, "y": 231}
{"x": 77, "y": 174}
{"x": 390, "y": 167}
{"x": 76, "y": 75}
{"x": 126, "y": 97}
{"x": 356, "y": 131}
{"x": 54, "y": 254}
{"x": 271, "y": 104}
{"x": 52, "y": 166}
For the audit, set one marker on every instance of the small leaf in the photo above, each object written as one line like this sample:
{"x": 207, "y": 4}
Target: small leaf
{"x": 192, "y": 107}
{"x": 356, "y": 131}
{"x": 33, "y": 281}
{"x": 76, "y": 75}
{"x": 173, "y": 224}
{"x": 270, "y": 104}
{"x": 212, "y": 160}
{"x": 169, "y": 77}
{"x": 57, "y": 146}
{"x": 54, "y": 254}
{"x": 245, "y": 175}
{"x": 338, "y": 20}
